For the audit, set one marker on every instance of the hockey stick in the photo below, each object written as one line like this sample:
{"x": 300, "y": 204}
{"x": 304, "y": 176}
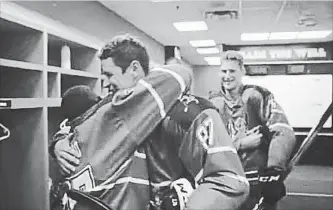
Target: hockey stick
{"x": 310, "y": 137}
{"x": 307, "y": 142}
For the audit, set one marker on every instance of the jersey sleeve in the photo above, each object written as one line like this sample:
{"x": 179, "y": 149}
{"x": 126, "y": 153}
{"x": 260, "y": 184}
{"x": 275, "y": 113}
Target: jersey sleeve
{"x": 152, "y": 98}
{"x": 208, "y": 154}
{"x": 113, "y": 132}
{"x": 283, "y": 139}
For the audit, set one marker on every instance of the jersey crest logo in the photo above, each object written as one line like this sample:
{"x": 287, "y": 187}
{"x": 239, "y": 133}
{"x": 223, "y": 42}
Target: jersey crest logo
{"x": 205, "y": 132}
{"x": 83, "y": 180}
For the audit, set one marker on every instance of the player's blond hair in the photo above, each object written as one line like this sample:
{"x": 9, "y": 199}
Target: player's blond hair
{"x": 232, "y": 55}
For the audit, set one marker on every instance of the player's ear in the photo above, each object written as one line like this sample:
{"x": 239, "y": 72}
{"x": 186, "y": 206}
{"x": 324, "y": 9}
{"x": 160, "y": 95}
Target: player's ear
{"x": 243, "y": 70}
{"x": 136, "y": 69}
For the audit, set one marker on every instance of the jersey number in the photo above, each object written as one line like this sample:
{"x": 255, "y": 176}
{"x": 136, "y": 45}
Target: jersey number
{"x": 205, "y": 132}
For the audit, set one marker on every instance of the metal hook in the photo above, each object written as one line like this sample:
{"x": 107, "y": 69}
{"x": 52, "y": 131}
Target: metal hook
{"x": 6, "y": 132}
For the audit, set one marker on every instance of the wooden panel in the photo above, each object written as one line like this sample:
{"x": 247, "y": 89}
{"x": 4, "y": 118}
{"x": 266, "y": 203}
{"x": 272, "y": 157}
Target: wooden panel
{"x": 53, "y": 85}
{"x": 81, "y": 57}
{"x": 20, "y": 64}
{"x": 68, "y": 81}
{"x": 23, "y": 46}
{"x": 74, "y": 72}
{"x": 17, "y": 83}
{"x": 23, "y": 161}
{"x": 86, "y": 60}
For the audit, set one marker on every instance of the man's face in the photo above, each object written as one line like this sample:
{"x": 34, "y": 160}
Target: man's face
{"x": 231, "y": 74}
{"x": 113, "y": 76}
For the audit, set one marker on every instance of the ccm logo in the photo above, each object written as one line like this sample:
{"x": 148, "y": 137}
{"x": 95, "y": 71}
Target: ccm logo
{"x": 269, "y": 178}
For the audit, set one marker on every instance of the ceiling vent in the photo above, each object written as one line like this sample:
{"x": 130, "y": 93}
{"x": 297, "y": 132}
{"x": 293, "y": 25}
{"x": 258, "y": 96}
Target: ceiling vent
{"x": 221, "y": 15}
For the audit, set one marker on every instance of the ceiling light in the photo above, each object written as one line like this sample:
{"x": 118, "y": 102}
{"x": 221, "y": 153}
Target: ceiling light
{"x": 203, "y": 43}
{"x": 158, "y": 1}
{"x": 213, "y": 61}
{"x": 313, "y": 34}
{"x": 254, "y": 36}
{"x": 191, "y": 26}
{"x": 282, "y": 35}
{"x": 208, "y": 50}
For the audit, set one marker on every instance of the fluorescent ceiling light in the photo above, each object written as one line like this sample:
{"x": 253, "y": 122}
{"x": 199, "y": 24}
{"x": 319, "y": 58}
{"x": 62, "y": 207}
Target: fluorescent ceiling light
{"x": 282, "y": 35}
{"x": 203, "y": 43}
{"x": 164, "y": 0}
{"x": 254, "y": 36}
{"x": 213, "y": 61}
{"x": 191, "y": 26}
{"x": 313, "y": 34}
{"x": 208, "y": 50}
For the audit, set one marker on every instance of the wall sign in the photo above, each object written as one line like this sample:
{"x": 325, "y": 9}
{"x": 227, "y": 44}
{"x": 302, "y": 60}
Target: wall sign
{"x": 322, "y": 51}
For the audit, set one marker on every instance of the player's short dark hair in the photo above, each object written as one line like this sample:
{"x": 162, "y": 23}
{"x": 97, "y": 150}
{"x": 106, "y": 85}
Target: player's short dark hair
{"x": 124, "y": 49}
{"x": 77, "y": 100}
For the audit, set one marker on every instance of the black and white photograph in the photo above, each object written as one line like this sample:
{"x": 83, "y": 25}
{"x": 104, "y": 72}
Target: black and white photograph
{"x": 166, "y": 105}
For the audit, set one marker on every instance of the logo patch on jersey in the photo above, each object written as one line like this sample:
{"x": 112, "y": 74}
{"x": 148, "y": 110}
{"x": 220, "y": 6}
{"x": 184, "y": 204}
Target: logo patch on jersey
{"x": 83, "y": 180}
{"x": 205, "y": 132}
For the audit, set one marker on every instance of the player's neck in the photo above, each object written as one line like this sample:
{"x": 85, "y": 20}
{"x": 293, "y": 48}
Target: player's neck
{"x": 234, "y": 94}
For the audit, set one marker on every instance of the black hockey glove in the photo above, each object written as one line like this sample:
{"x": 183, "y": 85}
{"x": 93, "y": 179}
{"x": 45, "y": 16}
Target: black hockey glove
{"x": 271, "y": 180}
{"x": 177, "y": 197}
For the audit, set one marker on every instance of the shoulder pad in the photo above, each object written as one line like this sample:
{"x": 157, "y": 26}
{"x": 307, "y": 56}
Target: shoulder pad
{"x": 187, "y": 108}
{"x": 263, "y": 91}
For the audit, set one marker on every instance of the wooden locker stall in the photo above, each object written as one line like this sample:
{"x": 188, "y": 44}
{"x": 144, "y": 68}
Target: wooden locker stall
{"x": 31, "y": 83}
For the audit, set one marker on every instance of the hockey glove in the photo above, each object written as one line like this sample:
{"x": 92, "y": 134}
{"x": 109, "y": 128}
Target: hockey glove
{"x": 176, "y": 199}
{"x": 271, "y": 180}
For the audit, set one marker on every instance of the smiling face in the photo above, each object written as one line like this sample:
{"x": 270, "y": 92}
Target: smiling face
{"x": 124, "y": 62}
{"x": 231, "y": 74}
{"x": 115, "y": 77}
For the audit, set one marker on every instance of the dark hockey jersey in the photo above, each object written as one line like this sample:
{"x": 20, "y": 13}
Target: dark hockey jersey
{"x": 255, "y": 113}
{"x": 190, "y": 143}
{"x": 108, "y": 134}
{"x": 256, "y": 109}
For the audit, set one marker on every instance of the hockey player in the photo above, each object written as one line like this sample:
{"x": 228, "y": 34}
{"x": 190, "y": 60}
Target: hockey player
{"x": 188, "y": 144}
{"x": 259, "y": 129}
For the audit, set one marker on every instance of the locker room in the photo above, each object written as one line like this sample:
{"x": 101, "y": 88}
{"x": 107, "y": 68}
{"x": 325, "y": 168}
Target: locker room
{"x": 130, "y": 104}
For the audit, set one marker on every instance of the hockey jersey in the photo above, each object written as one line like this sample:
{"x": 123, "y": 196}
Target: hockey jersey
{"x": 108, "y": 133}
{"x": 256, "y": 111}
{"x": 190, "y": 143}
